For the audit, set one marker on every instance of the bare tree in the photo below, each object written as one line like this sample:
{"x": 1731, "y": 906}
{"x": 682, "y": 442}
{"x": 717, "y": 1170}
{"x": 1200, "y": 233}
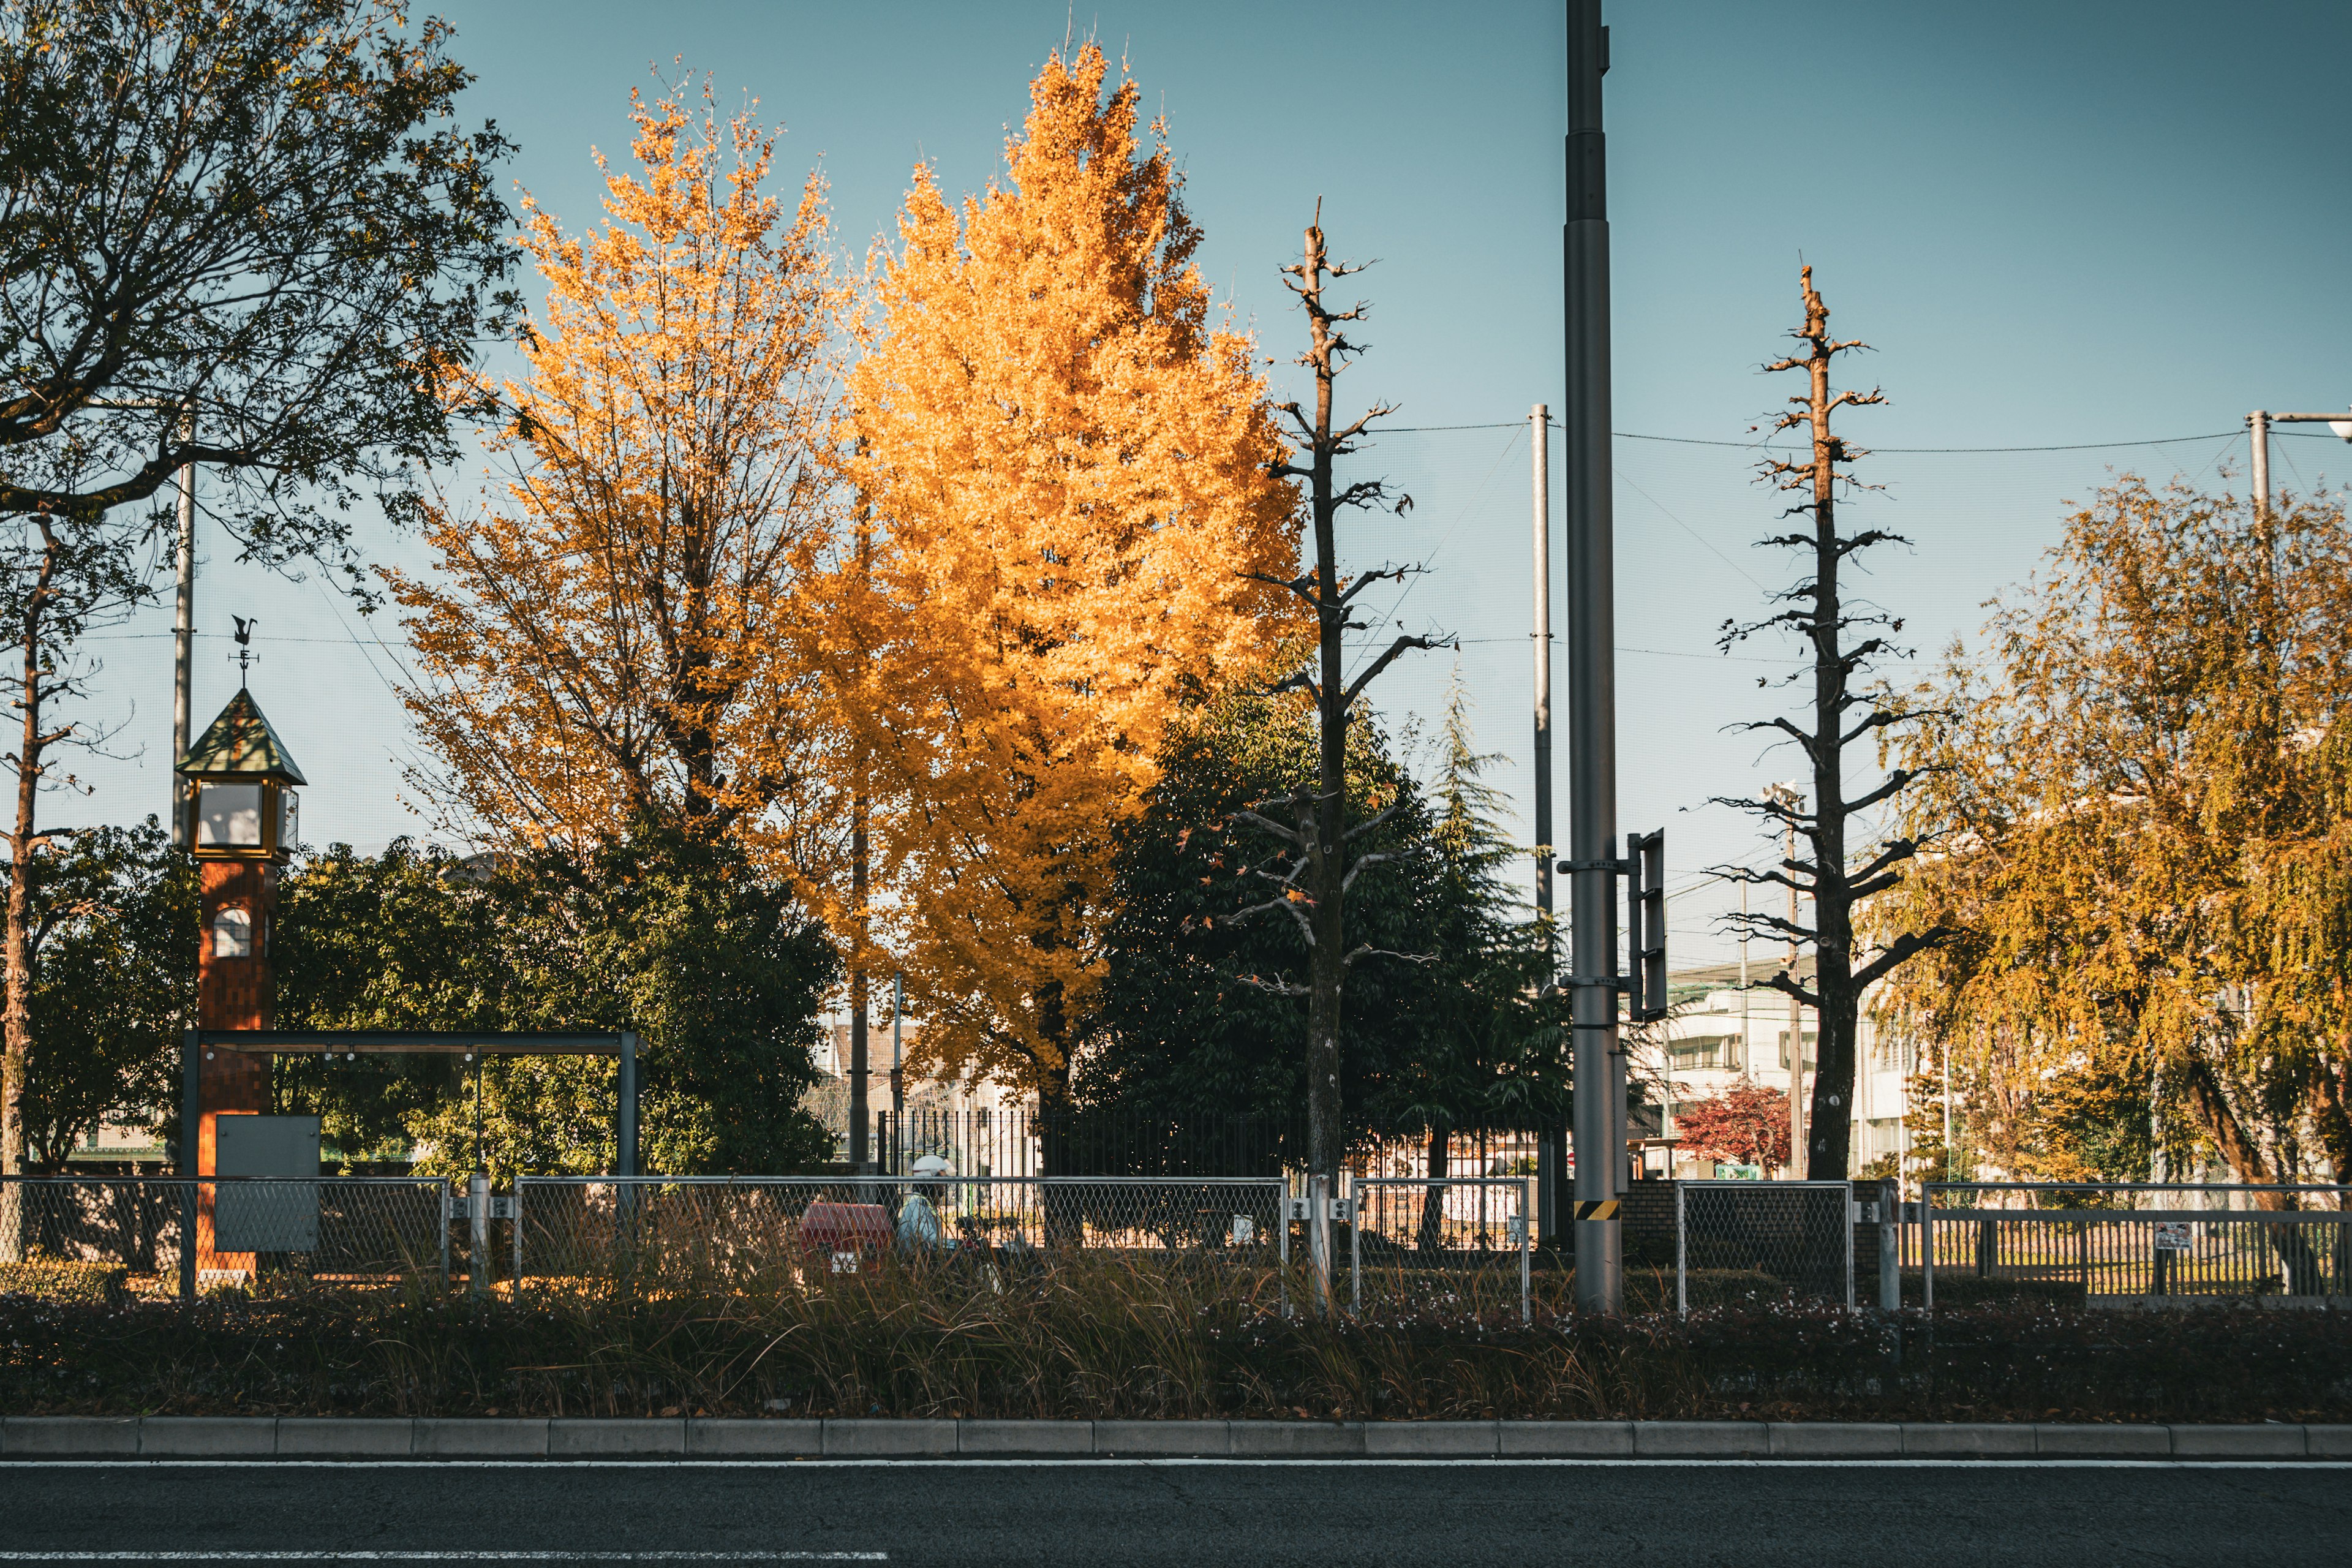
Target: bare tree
{"x": 1323, "y": 853}
{"x": 1835, "y": 873}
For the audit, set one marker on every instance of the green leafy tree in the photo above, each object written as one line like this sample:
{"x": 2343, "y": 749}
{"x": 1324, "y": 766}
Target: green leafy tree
{"x": 241, "y": 234}
{"x": 114, "y": 982}
{"x": 1179, "y": 1029}
{"x": 1486, "y": 1044}
{"x": 715, "y": 966}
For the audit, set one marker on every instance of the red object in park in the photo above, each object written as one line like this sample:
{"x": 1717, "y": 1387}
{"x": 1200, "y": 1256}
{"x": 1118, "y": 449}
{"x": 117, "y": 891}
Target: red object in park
{"x": 828, "y": 1230}
{"x": 1746, "y": 1124}
{"x": 238, "y": 808}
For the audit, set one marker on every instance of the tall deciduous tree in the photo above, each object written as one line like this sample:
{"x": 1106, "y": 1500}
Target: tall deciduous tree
{"x": 1072, "y": 476}
{"x": 1324, "y": 852}
{"x": 1841, "y": 864}
{"x": 628, "y": 634}
{"x": 239, "y": 234}
{"x": 2150, "y": 849}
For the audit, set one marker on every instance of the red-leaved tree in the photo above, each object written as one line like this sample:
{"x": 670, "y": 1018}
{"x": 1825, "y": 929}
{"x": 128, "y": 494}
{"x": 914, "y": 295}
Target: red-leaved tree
{"x": 1746, "y": 1124}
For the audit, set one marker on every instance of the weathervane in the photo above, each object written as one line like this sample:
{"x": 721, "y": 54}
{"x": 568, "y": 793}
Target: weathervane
{"x": 244, "y": 655}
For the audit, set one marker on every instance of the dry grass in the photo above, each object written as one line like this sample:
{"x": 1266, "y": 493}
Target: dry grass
{"x": 1110, "y": 1338}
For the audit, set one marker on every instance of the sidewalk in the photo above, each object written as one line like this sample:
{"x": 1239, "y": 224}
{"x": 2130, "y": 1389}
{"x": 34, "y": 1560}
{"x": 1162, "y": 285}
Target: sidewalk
{"x": 225, "y": 1437}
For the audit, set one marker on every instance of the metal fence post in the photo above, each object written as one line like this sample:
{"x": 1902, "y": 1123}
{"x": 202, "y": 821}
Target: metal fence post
{"x": 1927, "y": 1246}
{"x": 518, "y": 1240}
{"x": 1356, "y": 1256}
{"x": 478, "y": 1233}
{"x": 1848, "y": 1205}
{"x": 1319, "y": 1238}
{"x": 1526, "y": 1222}
{"x": 1682, "y": 1257}
{"x": 1282, "y": 1235}
{"x": 1890, "y": 1275}
{"x": 446, "y": 1216}
{"x": 191, "y": 1121}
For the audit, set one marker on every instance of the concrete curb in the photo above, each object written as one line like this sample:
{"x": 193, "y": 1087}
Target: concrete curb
{"x": 344, "y": 1437}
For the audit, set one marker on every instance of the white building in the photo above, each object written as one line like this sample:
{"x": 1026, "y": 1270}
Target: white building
{"x": 1717, "y": 1034}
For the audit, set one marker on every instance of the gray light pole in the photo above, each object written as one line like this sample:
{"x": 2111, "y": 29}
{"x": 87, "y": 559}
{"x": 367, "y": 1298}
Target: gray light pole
{"x": 1550, "y": 1146}
{"x": 1591, "y": 680}
{"x": 184, "y": 639}
{"x": 2258, "y": 427}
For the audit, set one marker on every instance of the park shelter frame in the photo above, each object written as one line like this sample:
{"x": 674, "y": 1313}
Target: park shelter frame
{"x": 196, "y": 1044}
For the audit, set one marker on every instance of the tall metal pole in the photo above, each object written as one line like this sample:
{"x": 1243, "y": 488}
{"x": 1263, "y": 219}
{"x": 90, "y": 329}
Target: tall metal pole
{"x": 184, "y": 639}
{"x": 2258, "y": 429}
{"x": 1551, "y": 1150}
{"x": 1540, "y": 438}
{"x": 1591, "y": 679}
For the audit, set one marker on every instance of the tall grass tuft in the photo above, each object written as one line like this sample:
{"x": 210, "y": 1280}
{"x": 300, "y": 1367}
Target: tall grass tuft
{"x": 1123, "y": 1337}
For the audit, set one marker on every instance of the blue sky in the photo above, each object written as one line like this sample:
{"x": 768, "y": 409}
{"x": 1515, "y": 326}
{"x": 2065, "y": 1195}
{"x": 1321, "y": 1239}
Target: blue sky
{"x": 2057, "y": 225}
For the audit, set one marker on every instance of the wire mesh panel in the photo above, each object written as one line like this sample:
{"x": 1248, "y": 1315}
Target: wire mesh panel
{"x": 1439, "y": 1243}
{"x": 1736, "y": 1239}
{"x": 127, "y": 1222}
{"x": 774, "y": 1233}
{"x": 2135, "y": 1240}
{"x": 351, "y": 1230}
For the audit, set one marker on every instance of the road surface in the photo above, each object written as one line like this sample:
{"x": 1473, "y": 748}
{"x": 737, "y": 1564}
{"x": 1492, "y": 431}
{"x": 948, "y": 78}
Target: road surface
{"x": 1230, "y": 1514}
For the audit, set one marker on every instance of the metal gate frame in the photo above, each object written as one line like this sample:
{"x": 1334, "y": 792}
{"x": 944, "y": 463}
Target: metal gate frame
{"x": 1681, "y": 1190}
{"x": 1523, "y": 1184}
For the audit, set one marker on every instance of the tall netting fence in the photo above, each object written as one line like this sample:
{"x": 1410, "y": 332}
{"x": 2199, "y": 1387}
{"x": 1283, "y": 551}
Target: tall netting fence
{"x": 2113, "y": 1241}
{"x": 1740, "y": 1239}
{"x": 248, "y": 1230}
{"x": 761, "y": 1234}
{"x": 1443, "y": 1244}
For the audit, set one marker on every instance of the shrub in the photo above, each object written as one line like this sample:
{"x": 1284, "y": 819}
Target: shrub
{"x": 64, "y": 1279}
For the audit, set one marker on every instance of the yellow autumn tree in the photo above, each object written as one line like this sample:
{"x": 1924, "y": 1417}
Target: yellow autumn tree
{"x": 1075, "y": 525}
{"x": 628, "y": 629}
{"x": 2149, "y": 856}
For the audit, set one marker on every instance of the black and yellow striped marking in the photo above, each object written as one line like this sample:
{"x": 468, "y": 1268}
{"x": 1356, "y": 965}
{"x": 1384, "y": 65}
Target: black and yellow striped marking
{"x": 1599, "y": 1208}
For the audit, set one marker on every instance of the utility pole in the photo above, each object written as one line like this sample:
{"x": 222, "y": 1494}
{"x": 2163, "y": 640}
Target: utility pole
{"x": 898, "y": 1057}
{"x": 1539, "y": 439}
{"x": 1550, "y": 1149}
{"x": 2258, "y": 429}
{"x": 1593, "y": 678}
{"x": 1796, "y": 1041}
{"x": 183, "y": 637}
{"x": 1743, "y": 1049}
{"x": 1789, "y": 796}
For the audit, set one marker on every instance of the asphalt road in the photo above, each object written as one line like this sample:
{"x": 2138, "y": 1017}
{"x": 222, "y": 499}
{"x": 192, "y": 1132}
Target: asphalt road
{"x": 1231, "y": 1515}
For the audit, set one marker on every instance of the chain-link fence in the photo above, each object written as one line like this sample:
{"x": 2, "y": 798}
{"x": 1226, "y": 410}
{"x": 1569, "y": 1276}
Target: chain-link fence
{"x": 351, "y": 1230}
{"x": 2141, "y": 1239}
{"x": 1733, "y": 1239}
{"x": 771, "y": 1233}
{"x": 1439, "y": 1243}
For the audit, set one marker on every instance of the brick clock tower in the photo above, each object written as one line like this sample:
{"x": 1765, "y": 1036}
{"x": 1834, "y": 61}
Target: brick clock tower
{"x": 237, "y": 793}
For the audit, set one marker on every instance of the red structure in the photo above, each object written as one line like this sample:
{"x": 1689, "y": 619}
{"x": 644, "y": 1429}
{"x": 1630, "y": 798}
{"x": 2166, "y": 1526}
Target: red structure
{"x": 240, "y": 805}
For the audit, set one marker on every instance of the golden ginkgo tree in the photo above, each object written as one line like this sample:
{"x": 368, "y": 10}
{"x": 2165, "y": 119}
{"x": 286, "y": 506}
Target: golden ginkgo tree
{"x": 1068, "y": 465}
{"x": 628, "y": 627}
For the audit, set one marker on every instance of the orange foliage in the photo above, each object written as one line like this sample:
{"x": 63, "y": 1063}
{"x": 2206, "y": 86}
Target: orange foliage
{"x": 630, "y": 630}
{"x": 1068, "y": 469}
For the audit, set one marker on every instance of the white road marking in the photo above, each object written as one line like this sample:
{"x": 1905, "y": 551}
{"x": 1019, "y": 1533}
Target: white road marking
{"x": 2024, "y": 1463}
{"x": 226, "y": 1556}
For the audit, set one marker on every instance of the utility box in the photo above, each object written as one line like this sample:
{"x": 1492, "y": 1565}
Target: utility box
{"x": 267, "y": 1216}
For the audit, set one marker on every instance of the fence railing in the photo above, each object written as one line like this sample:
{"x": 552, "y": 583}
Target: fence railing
{"x": 1439, "y": 1241}
{"x": 333, "y": 1230}
{"x": 2197, "y": 1239}
{"x": 748, "y": 1232}
{"x": 1793, "y": 1236}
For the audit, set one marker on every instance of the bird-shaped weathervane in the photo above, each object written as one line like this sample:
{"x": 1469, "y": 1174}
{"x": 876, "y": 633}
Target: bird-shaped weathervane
{"x": 243, "y": 647}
